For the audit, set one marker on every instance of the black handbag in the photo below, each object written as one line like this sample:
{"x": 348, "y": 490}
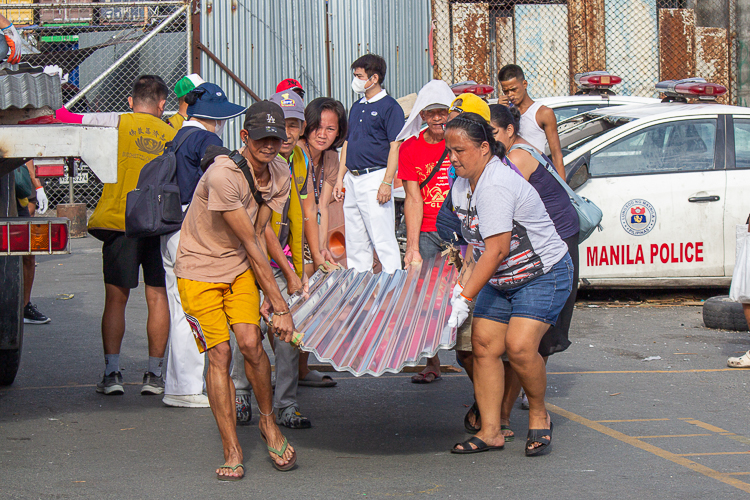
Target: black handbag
{"x": 448, "y": 224}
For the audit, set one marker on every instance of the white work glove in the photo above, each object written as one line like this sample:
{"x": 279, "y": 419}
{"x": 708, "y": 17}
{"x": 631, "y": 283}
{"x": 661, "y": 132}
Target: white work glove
{"x": 14, "y": 41}
{"x": 456, "y": 291}
{"x": 459, "y": 313}
{"x": 42, "y": 202}
{"x": 54, "y": 70}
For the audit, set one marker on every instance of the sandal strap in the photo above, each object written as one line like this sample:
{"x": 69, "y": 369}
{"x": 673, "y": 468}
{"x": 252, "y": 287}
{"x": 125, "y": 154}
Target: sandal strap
{"x": 284, "y": 446}
{"x": 543, "y": 436}
{"x": 472, "y": 440}
{"x": 234, "y": 468}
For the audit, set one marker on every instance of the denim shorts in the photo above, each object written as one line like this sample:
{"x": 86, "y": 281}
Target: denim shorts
{"x": 541, "y": 299}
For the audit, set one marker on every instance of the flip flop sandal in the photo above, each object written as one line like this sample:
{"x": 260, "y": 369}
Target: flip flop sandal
{"x": 316, "y": 379}
{"x": 480, "y": 447}
{"x": 740, "y": 362}
{"x": 504, "y": 427}
{"x": 543, "y": 436}
{"x": 280, "y": 454}
{"x": 471, "y": 429}
{"x": 234, "y": 469}
{"x": 421, "y": 378}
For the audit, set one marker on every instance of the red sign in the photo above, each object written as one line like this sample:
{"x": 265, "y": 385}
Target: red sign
{"x": 629, "y": 255}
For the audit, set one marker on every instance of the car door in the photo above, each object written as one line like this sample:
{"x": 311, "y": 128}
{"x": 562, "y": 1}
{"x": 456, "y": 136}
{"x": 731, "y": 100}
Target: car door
{"x": 737, "y": 205}
{"x": 660, "y": 187}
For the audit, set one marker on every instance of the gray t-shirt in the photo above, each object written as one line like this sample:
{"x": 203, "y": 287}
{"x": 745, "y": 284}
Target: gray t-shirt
{"x": 504, "y": 201}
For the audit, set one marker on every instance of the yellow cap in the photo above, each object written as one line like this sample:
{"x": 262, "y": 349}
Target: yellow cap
{"x": 471, "y": 103}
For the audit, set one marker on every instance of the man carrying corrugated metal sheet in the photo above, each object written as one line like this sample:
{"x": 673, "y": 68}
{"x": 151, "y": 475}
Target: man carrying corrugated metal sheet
{"x": 370, "y": 157}
{"x": 220, "y": 256}
{"x": 423, "y": 165}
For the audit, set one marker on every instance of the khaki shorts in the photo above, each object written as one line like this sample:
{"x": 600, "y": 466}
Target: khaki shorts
{"x": 210, "y": 306}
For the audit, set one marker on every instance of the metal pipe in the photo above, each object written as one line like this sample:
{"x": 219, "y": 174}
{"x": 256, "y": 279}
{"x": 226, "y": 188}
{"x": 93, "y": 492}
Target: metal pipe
{"x": 189, "y": 41}
{"x": 64, "y": 5}
{"x": 228, "y": 71}
{"x": 126, "y": 55}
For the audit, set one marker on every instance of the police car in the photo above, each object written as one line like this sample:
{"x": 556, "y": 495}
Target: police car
{"x": 671, "y": 179}
{"x": 594, "y": 92}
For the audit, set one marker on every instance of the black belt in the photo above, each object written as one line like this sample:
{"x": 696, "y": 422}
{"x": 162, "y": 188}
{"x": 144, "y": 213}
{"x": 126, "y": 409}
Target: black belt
{"x": 364, "y": 171}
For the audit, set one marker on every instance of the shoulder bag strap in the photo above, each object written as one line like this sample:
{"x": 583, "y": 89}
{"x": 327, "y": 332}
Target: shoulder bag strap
{"x": 241, "y": 162}
{"x": 434, "y": 170}
{"x": 550, "y": 168}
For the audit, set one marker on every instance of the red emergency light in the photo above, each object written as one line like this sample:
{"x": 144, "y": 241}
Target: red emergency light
{"x": 596, "y": 80}
{"x": 473, "y": 88}
{"x": 697, "y": 88}
{"x": 26, "y": 237}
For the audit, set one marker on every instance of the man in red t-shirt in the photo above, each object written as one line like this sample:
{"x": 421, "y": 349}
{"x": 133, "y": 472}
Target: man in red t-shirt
{"x": 417, "y": 161}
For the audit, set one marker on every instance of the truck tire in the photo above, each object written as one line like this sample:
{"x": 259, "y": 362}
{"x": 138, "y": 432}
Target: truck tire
{"x": 11, "y": 319}
{"x": 721, "y": 313}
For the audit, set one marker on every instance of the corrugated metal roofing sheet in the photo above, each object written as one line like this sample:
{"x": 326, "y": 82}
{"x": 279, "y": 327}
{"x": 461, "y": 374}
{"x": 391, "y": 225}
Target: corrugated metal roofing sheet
{"x": 24, "y": 87}
{"x": 367, "y": 323}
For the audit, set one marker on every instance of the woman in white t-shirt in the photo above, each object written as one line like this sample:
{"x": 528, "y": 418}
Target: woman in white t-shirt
{"x": 518, "y": 275}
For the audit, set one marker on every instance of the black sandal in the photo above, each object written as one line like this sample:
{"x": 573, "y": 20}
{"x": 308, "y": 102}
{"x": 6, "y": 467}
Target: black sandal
{"x": 480, "y": 447}
{"x": 543, "y": 436}
{"x": 475, "y": 411}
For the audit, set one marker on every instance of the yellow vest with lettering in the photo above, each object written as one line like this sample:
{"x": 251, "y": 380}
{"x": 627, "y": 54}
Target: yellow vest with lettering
{"x": 141, "y": 138}
{"x": 295, "y": 216}
{"x": 176, "y": 120}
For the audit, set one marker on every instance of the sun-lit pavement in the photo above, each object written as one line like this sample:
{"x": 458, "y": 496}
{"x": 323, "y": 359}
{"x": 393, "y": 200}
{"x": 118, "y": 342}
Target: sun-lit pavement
{"x": 674, "y": 427}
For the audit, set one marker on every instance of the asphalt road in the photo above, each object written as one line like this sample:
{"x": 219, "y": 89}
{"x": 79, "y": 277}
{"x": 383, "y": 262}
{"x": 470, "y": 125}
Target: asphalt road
{"x": 674, "y": 427}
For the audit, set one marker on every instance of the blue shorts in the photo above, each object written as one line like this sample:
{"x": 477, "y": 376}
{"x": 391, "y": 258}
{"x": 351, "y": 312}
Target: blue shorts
{"x": 541, "y": 299}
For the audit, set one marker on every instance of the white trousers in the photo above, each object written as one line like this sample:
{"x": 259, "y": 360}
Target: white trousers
{"x": 369, "y": 224}
{"x": 184, "y": 362}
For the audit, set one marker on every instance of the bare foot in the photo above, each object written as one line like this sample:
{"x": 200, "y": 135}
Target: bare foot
{"x": 232, "y": 467}
{"x": 272, "y": 436}
{"x": 505, "y": 429}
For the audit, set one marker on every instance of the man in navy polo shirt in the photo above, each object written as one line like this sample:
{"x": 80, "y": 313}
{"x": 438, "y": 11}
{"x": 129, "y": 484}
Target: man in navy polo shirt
{"x": 370, "y": 157}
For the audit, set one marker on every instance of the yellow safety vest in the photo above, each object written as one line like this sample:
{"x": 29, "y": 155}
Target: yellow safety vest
{"x": 176, "y": 120}
{"x": 295, "y": 216}
{"x": 141, "y": 138}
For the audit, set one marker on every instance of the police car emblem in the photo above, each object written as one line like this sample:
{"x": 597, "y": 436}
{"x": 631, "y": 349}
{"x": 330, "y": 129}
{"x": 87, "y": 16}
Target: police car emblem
{"x": 638, "y": 217}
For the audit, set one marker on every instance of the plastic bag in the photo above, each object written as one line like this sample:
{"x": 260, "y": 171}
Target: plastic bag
{"x": 740, "y": 289}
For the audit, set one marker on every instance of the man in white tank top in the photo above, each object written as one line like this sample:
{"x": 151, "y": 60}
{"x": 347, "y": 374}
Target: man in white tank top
{"x": 538, "y": 123}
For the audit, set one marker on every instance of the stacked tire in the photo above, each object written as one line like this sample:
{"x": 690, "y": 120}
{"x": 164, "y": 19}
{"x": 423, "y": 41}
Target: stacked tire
{"x": 721, "y": 313}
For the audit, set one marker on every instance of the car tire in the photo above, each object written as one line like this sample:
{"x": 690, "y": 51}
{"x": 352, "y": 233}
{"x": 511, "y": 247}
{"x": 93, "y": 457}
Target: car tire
{"x": 722, "y": 313}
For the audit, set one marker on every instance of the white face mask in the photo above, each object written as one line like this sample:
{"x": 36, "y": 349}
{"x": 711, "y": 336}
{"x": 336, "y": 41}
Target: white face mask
{"x": 219, "y": 130}
{"x": 358, "y": 85}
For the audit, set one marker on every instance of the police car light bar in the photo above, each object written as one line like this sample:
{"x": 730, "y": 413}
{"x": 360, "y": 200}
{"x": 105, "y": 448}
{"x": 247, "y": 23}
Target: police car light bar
{"x": 691, "y": 87}
{"x": 596, "y": 79}
{"x": 473, "y": 88}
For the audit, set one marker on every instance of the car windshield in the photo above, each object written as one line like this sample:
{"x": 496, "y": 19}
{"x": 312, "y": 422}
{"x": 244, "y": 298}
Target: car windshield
{"x": 582, "y": 128}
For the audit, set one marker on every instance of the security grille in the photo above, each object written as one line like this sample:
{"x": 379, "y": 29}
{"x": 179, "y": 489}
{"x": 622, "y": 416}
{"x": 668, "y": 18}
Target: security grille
{"x": 642, "y": 41}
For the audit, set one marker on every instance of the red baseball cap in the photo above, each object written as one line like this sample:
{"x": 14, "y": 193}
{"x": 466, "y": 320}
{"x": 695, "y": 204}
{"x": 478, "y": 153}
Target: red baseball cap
{"x": 288, "y": 83}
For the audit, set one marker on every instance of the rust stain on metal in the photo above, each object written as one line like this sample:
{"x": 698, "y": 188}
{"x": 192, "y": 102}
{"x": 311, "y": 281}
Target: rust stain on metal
{"x": 586, "y": 37}
{"x": 676, "y": 44}
{"x": 471, "y": 48}
{"x": 506, "y": 42}
{"x": 712, "y": 57}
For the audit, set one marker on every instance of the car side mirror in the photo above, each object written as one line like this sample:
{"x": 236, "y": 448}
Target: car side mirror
{"x": 577, "y": 172}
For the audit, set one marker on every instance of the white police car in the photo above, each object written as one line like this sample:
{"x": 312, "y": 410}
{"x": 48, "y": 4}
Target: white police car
{"x": 594, "y": 92}
{"x": 671, "y": 179}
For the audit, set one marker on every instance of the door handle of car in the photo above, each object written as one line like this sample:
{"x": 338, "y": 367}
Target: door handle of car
{"x": 701, "y": 199}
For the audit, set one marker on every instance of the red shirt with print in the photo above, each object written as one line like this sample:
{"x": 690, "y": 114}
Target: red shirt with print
{"x": 416, "y": 159}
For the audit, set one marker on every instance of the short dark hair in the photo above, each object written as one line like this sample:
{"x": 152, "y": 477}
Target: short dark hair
{"x": 149, "y": 89}
{"x": 313, "y": 113}
{"x": 502, "y": 116}
{"x": 509, "y": 72}
{"x": 478, "y": 131}
{"x": 372, "y": 64}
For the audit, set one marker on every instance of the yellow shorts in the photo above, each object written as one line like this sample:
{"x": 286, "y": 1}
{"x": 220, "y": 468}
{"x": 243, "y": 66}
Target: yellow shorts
{"x": 210, "y": 306}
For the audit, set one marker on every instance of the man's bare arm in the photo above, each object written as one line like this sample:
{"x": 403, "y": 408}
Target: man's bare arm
{"x": 386, "y": 187}
{"x": 413, "y": 211}
{"x": 548, "y": 122}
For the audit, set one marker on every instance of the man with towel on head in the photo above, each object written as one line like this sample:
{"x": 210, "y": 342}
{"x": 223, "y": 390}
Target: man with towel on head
{"x": 423, "y": 166}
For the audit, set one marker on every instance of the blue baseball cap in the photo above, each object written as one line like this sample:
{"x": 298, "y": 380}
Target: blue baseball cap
{"x": 212, "y": 103}
{"x": 291, "y": 104}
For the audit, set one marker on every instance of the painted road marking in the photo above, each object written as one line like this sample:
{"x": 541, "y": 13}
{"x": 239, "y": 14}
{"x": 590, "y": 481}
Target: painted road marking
{"x": 716, "y": 453}
{"x": 672, "y": 436}
{"x": 632, "y": 420}
{"x": 719, "y": 430}
{"x": 680, "y": 460}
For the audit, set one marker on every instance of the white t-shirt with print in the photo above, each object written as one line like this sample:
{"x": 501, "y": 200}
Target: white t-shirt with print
{"x": 504, "y": 201}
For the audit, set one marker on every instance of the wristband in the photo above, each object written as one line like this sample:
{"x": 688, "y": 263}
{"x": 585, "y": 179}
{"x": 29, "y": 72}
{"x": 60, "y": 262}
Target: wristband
{"x": 465, "y": 297}
{"x": 388, "y": 183}
{"x": 283, "y": 313}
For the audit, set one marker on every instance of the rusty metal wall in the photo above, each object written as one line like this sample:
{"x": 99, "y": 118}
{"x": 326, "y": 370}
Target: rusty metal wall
{"x": 643, "y": 41}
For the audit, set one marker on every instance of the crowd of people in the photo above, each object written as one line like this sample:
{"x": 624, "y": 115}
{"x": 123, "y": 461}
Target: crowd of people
{"x": 256, "y": 223}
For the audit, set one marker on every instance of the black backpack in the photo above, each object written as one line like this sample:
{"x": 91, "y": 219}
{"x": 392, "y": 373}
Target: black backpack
{"x": 154, "y": 208}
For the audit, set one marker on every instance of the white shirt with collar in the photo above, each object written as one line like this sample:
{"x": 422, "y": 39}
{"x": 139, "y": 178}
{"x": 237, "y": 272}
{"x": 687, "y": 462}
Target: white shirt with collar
{"x": 375, "y": 98}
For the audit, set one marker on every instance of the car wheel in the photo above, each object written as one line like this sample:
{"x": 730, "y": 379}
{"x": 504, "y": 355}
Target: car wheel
{"x": 9, "y": 361}
{"x": 721, "y": 313}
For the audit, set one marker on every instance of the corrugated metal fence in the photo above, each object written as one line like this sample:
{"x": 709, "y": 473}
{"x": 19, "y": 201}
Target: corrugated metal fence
{"x": 265, "y": 41}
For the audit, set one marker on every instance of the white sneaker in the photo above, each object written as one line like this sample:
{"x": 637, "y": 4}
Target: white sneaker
{"x": 189, "y": 401}
{"x": 741, "y": 362}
